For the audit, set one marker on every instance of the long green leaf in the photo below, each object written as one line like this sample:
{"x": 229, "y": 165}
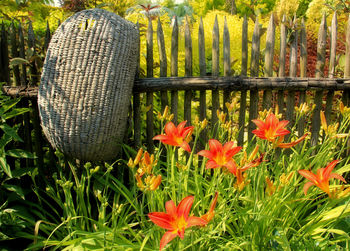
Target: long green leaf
{"x": 10, "y": 131}
{"x": 7, "y": 105}
{"x": 15, "y": 112}
{"x": 5, "y": 167}
{"x": 19, "y": 153}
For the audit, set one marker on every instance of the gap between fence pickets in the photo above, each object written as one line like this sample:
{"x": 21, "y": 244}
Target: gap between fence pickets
{"x": 210, "y": 83}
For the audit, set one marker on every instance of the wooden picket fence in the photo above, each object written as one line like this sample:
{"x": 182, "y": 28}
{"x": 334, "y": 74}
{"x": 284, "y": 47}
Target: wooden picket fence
{"x": 255, "y": 92}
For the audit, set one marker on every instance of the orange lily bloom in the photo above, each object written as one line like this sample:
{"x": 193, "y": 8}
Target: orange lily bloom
{"x": 273, "y": 130}
{"x": 321, "y": 178}
{"x": 210, "y": 214}
{"x": 176, "y": 136}
{"x": 219, "y": 155}
{"x": 176, "y": 220}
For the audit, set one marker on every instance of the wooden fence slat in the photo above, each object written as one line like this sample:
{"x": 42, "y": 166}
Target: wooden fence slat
{"x": 38, "y": 142}
{"x": 137, "y": 101}
{"x": 244, "y": 66}
{"x": 25, "y": 102}
{"x": 188, "y": 72}
{"x": 31, "y": 45}
{"x": 162, "y": 63}
{"x": 346, "y": 94}
{"x": 243, "y": 103}
{"x": 215, "y": 72}
{"x": 22, "y": 55}
{"x": 227, "y": 62}
{"x": 254, "y": 72}
{"x": 332, "y": 64}
{"x": 202, "y": 72}
{"x": 303, "y": 71}
{"x": 14, "y": 53}
{"x": 282, "y": 63}
{"x": 321, "y": 52}
{"x": 174, "y": 67}
{"x": 4, "y": 59}
{"x": 293, "y": 66}
{"x": 268, "y": 68}
{"x": 149, "y": 95}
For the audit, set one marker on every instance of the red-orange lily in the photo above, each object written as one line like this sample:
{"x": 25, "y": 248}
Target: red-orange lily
{"x": 274, "y": 131}
{"x": 176, "y": 136}
{"x": 176, "y": 220}
{"x": 210, "y": 214}
{"x": 321, "y": 178}
{"x": 219, "y": 155}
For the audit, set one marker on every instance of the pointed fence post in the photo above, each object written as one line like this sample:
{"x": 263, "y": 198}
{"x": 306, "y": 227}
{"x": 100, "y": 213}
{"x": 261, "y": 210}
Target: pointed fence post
{"x": 38, "y": 143}
{"x": 149, "y": 95}
{"x": 303, "y": 71}
{"x": 188, "y": 72}
{"x": 254, "y": 72}
{"x": 227, "y": 63}
{"x": 332, "y": 65}
{"x": 293, "y": 66}
{"x": 162, "y": 62}
{"x": 215, "y": 73}
{"x": 321, "y": 54}
{"x": 243, "y": 104}
{"x": 268, "y": 68}
{"x": 14, "y": 53}
{"x": 282, "y": 63}
{"x": 137, "y": 102}
{"x": 174, "y": 67}
{"x": 203, "y": 73}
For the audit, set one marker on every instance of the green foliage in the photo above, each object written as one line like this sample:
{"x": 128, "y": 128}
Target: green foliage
{"x": 9, "y": 133}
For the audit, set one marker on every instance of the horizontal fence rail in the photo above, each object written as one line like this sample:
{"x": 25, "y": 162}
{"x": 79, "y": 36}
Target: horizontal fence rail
{"x": 211, "y": 83}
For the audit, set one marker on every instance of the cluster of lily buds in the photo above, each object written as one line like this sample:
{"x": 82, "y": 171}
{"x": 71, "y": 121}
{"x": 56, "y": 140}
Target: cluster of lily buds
{"x": 304, "y": 109}
{"x": 331, "y": 130}
{"x": 271, "y": 187}
{"x": 221, "y": 116}
{"x": 165, "y": 116}
{"x": 145, "y": 178}
{"x": 245, "y": 164}
{"x": 200, "y": 124}
{"x": 345, "y": 111}
{"x": 233, "y": 106}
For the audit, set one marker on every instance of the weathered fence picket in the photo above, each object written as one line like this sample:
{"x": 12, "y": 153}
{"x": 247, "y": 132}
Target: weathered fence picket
{"x": 268, "y": 68}
{"x": 321, "y": 57}
{"x": 303, "y": 71}
{"x": 202, "y": 73}
{"x": 174, "y": 68}
{"x": 162, "y": 63}
{"x": 215, "y": 71}
{"x": 149, "y": 95}
{"x": 254, "y": 72}
{"x": 188, "y": 73}
{"x": 243, "y": 104}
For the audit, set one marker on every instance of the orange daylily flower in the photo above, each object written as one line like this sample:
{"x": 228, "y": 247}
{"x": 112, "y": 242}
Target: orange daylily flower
{"x": 210, "y": 214}
{"x": 219, "y": 155}
{"x": 176, "y": 220}
{"x": 273, "y": 130}
{"x": 176, "y": 136}
{"x": 321, "y": 178}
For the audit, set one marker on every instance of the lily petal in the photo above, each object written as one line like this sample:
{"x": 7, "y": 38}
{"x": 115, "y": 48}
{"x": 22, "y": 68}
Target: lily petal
{"x": 167, "y": 237}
